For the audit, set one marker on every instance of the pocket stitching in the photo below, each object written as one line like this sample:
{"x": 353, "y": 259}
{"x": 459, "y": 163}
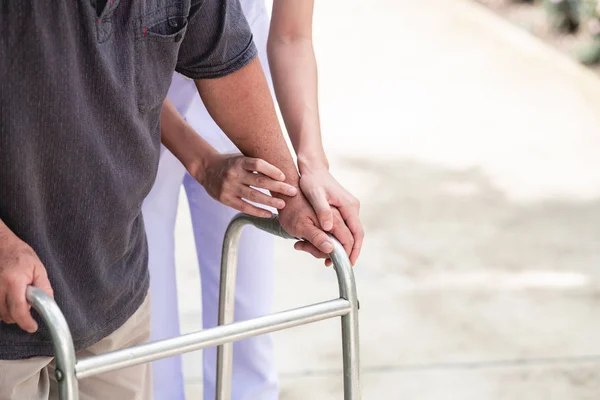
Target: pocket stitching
{"x": 157, "y": 37}
{"x": 145, "y": 97}
{"x": 155, "y": 17}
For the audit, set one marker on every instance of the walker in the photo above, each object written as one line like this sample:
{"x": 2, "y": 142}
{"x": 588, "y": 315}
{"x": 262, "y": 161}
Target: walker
{"x": 69, "y": 369}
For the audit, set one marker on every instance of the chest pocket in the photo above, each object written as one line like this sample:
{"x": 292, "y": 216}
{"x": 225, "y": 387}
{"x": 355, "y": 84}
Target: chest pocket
{"x": 157, "y": 39}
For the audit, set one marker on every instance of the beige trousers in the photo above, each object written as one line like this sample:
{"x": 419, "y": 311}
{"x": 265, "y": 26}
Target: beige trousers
{"x": 33, "y": 379}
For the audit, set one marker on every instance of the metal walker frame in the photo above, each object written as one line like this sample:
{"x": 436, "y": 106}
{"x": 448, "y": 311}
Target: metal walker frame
{"x": 69, "y": 369}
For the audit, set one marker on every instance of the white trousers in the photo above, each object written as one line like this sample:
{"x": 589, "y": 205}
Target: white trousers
{"x": 254, "y": 374}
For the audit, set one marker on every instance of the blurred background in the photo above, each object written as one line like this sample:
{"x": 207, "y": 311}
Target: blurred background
{"x": 471, "y": 134}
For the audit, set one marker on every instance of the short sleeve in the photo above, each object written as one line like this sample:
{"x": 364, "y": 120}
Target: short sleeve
{"x": 218, "y": 40}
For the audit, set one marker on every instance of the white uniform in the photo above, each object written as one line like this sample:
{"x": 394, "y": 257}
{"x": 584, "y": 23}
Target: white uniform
{"x": 254, "y": 375}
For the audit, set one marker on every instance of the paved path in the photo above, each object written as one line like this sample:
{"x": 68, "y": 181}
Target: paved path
{"x": 475, "y": 151}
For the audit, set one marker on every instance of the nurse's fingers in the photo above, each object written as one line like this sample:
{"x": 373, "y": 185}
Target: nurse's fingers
{"x": 247, "y": 208}
{"x": 263, "y": 167}
{"x": 259, "y": 197}
{"x": 318, "y": 200}
{"x": 261, "y": 181}
{"x": 341, "y": 232}
{"x": 350, "y": 215}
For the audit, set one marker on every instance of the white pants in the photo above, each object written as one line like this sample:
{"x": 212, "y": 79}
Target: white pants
{"x": 254, "y": 375}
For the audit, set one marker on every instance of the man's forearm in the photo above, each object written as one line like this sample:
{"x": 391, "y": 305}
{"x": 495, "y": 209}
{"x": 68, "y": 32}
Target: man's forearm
{"x": 241, "y": 104}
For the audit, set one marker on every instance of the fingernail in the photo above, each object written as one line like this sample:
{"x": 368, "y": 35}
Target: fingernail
{"x": 280, "y": 204}
{"x": 327, "y": 246}
{"x": 328, "y": 225}
{"x": 292, "y": 191}
{"x": 282, "y": 177}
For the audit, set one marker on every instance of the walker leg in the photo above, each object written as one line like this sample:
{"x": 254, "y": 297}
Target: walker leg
{"x": 229, "y": 261}
{"x": 347, "y": 289}
{"x": 350, "y": 337}
{"x": 64, "y": 351}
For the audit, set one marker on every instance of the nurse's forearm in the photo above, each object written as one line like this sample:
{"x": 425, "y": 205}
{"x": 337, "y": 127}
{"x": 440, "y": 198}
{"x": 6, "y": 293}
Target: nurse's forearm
{"x": 294, "y": 70}
{"x": 180, "y": 138}
{"x": 241, "y": 104}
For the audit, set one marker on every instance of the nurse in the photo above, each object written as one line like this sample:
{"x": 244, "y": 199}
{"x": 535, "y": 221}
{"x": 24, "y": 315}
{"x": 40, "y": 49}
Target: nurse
{"x": 288, "y": 42}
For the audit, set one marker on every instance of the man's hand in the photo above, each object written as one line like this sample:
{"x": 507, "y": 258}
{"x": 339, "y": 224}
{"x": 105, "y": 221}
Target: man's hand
{"x": 19, "y": 268}
{"x": 231, "y": 178}
{"x": 323, "y": 191}
{"x": 299, "y": 219}
{"x": 341, "y": 233}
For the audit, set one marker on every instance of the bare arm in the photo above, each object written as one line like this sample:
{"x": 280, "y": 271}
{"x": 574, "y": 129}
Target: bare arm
{"x": 228, "y": 178}
{"x": 294, "y": 69}
{"x": 179, "y": 137}
{"x": 241, "y": 104}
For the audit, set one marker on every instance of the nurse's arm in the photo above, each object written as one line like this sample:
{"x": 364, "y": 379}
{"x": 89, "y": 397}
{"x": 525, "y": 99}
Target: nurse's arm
{"x": 228, "y": 178}
{"x": 241, "y": 104}
{"x": 295, "y": 79}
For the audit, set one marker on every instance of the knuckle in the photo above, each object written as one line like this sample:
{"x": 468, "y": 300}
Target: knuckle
{"x": 314, "y": 236}
{"x": 350, "y": 239}
{"x": 255, "y": 163}
{"x": 231, "y": 173}
{"x": 249, "y": 163}
{"x": 361, "y": 233}
{"x": 222, "y": 197}
{"x": 10, "y": 279}
{"x": 245, "y": 207}
{"x": 41, "y": 271}
{"x": 252, "y": 195}
{"x": 274, "y": 202}
{"x": 337, "y": 216}
{"x": 261, "y": 181}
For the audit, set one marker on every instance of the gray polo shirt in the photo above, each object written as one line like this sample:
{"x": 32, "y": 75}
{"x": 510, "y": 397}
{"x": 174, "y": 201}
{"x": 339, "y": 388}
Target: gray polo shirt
{"x": 80, "y": 96}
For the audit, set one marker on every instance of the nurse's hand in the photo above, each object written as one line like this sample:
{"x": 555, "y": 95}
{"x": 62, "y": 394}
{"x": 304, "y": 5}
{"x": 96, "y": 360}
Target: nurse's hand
{"x": 19, "y": 267}
{"x": 232, "y": 179}
{"x": 335, "y": 207}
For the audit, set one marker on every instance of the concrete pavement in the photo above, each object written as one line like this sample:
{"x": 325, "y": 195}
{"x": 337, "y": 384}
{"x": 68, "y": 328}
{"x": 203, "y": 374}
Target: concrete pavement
{"x": 474, "y": 149}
